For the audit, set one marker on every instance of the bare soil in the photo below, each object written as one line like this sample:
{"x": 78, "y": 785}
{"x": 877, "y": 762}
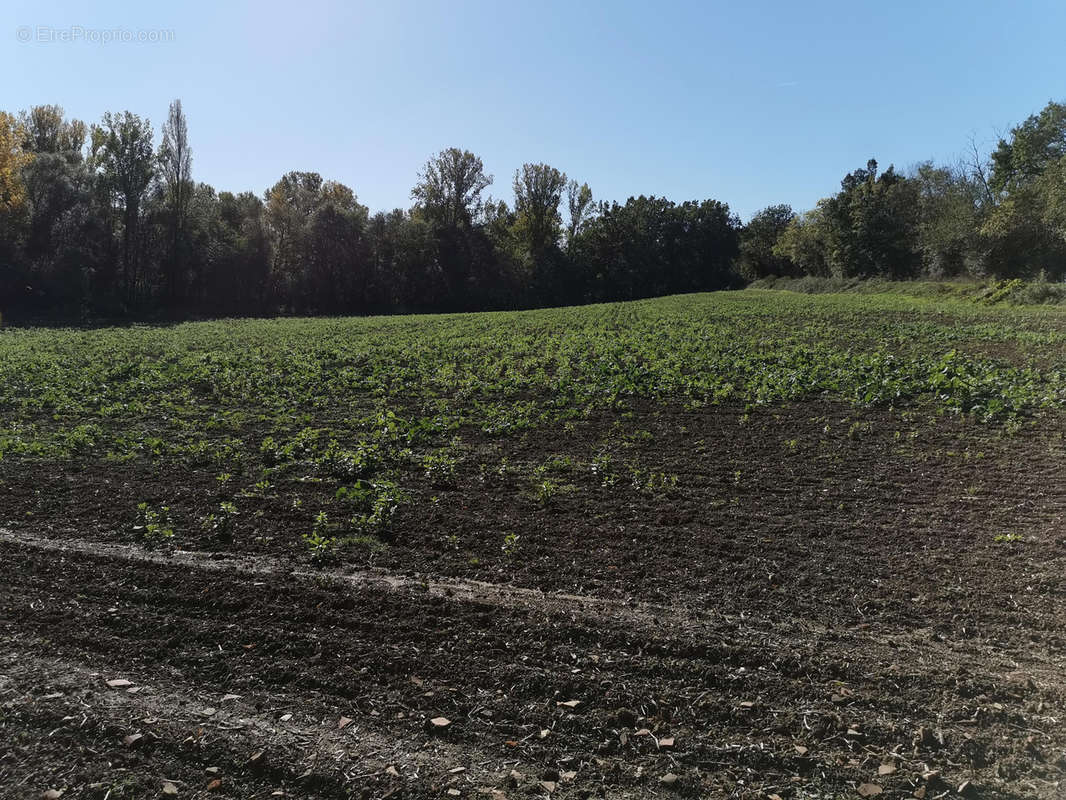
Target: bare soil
{"x": 828, "y": 603}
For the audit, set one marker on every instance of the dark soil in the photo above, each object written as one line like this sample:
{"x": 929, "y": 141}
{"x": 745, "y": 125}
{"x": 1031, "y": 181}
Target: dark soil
{"x": 824, "y": 592}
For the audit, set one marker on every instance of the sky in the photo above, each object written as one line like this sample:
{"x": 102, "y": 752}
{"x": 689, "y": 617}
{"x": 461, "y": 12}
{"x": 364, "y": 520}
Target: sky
{"x": 752, "y": 103}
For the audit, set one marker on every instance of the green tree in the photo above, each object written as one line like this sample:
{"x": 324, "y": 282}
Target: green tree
{"x": 580, "y": 210}
{"x": 1023, "y": 228}
{"x": 175, "y": 166}
{"x": 128, "y": 165}
{"x": 949, "y": 219}
{"x": 1032, "y": 147}
{"x": 317, "y": 230}
{"x": 805, "y": 243}
{"x": 449, "y": 187}
{"x": 758, "y": 239}
{"x": 538, "y": 190}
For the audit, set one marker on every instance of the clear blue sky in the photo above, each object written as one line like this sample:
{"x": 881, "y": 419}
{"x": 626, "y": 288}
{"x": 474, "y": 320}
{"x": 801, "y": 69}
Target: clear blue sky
{"x": 751, "y": 103}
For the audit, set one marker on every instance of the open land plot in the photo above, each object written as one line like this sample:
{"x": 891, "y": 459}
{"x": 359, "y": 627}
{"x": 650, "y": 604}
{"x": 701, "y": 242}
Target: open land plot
{"x": 732, "y": 545}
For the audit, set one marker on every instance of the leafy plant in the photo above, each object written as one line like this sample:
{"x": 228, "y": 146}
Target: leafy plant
{"x": 510, "y": 544}
{"x": 440, "y": 469}
{"x": 221, "y": 524}
{"x": 319, "y": 541}
{"x": 601, "y": 469}
{"x": 546, "y": 492}
{"x": 375, "y": 502}
{"x": 153, "y": 525}
{"x": 1007, "y": 538}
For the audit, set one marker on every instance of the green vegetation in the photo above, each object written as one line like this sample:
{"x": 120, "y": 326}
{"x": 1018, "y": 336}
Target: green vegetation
{"x": 330, "y": 421}
{"x": 153, "y": 525}
{"x": 97, "y": 222}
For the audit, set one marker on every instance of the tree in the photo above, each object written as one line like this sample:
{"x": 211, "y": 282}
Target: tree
{"x": 175, "y": 166}
{"x": 868, "y": 229}
{"x": 13, "y": 216}
{"x": 403, "y": 259}
{"x": 320, "y": 255}
{"x": 237, "y": 272}
{"x": 651, "y": 246}
{"x": 46, "y": 130}
{"x": 128, "y": 165}
{"x": 289, "y": 205}
{"x": 448, "y": 200}
{"x": 13, "y": 157}
{"x": 449, "y": 187}
{"x": 538, "y": 190}
{"x": 580, "y": 208}
{"x": 1033, "y": 146}
{"x": 805, "y": 243}
{"x": 1023, "y": 227}
{"x": 949, "y": 216}
{"x": 1052, "y": 188}
{"x": 757, "y": 242}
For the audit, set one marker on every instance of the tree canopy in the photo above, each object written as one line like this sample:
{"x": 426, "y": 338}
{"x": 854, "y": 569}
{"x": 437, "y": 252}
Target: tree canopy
{"x": 99, "y": 221}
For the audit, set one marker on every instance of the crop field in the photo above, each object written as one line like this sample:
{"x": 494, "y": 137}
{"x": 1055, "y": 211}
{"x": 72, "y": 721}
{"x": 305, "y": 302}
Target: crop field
{"x": 752, "y": 544}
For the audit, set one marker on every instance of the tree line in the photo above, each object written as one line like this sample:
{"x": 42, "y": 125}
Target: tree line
{"x": 1001, "y": 216}
{"x": 100, "y": 221}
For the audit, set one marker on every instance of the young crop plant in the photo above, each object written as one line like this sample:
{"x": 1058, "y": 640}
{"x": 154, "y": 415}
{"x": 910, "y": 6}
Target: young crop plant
{"x": 601, "y": 470}
{"x": 546, "y": 492}
{"x": 375, "y": 503}
{"x": 1007, "y": 538}
{"x": 441, "y": 469}
{"x": 222, "y": 523}
{"x": 153, "y": 525}
{"x": 82, "y": 438}
{"x": 319, "y": 541}
{"x": 659, "y": 482}
{"x": 510, "y": 544}
{"x": 339, "y": 462}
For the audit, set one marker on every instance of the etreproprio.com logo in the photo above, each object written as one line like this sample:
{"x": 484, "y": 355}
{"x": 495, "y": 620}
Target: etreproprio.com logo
{"x": 71, "y": 34}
